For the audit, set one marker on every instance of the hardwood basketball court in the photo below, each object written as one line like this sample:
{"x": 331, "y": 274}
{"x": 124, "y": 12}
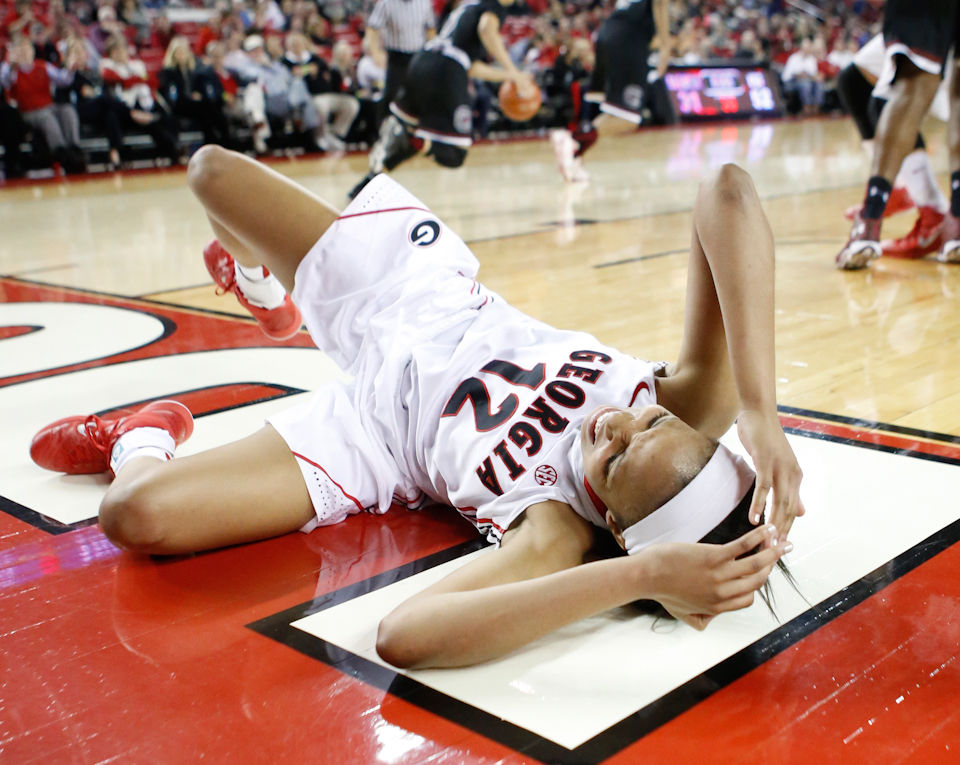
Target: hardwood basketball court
{"x": 261, "y": 652}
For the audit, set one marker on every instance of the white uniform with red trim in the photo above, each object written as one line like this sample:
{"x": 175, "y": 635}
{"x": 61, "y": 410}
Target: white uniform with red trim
{"x": 456, "y": 395}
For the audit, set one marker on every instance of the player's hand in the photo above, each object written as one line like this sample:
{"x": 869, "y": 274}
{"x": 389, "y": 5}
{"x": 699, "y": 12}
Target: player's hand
{"x": 695, "y": 582}
{"x": 524, "y": 82}
{"x": 665, "y": 49}
{"x": 777, "y": 469}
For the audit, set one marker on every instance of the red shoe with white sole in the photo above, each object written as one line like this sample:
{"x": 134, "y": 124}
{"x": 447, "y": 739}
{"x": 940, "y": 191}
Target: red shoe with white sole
{"x": 280, "y": 323}
{"x": 922, "y": 239}
{"x": 83, "y": 444}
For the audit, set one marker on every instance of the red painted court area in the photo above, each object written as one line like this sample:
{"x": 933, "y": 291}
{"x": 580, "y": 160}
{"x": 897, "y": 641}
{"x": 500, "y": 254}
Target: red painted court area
{"x": 110, "y": 657}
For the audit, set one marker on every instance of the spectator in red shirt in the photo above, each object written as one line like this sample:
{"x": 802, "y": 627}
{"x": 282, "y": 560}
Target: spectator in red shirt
{"x": 18, "y": 19}
{"x": 30, "y": 83}
{"x": 161, "y": 32}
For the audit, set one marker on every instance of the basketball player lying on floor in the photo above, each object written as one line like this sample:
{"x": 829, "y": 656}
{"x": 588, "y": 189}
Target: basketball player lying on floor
{"x": 540, "y": 437}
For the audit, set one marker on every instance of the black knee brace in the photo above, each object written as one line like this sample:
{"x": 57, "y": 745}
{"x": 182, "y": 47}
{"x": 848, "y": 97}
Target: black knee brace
{"x": 447, "y": 155}
{"x": 854, "y": 91}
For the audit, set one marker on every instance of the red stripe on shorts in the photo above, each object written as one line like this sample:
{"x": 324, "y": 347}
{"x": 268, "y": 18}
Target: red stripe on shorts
{"x": 377, "y": 212}
{"x": 343, "y": 491}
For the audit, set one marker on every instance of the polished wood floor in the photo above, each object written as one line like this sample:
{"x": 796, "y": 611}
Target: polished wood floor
{"x": 608, "y": 256}
{"x": 110, "y": 657}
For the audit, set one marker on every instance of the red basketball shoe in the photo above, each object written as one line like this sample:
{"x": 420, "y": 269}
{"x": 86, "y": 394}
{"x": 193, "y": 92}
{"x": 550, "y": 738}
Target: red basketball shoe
{"x": 899, "y": 201}
{"x": 950, "y": 236}
{"x": 79, "y": 445}
{"x": 862, "y": 246}
{"x": 280, "y": 323}
{"x": 922, "y": 239}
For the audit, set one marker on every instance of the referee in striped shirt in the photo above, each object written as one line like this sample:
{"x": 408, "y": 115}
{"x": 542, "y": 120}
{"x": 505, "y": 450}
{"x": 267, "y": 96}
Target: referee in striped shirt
{"x": 401, "y": 27}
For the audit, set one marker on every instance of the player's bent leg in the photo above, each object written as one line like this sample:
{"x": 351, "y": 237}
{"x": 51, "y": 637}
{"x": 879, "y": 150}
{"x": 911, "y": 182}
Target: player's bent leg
{"x": 244, "y": 491}
{"x": 896, "y": 133}
{"x": 276, "y": 220}
{"x": 950, "y": 231}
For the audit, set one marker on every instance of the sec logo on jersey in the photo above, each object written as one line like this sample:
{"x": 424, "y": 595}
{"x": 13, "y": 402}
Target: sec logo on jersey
{"x": 545, "y": 475}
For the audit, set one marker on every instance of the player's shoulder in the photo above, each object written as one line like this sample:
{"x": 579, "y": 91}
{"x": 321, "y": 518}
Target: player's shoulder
{"x": 552, "y": 526}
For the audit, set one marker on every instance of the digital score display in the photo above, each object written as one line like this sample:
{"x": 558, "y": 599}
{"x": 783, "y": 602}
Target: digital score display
{"x": 723, "y": 91}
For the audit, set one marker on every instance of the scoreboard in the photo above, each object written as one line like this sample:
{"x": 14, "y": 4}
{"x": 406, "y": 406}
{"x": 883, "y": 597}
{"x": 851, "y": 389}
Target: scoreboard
{"x": 715, "y": 92}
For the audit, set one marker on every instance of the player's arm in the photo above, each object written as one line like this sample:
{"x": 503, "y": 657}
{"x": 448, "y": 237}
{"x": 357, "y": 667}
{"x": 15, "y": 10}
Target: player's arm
{"x": 726, "y": 364}
{"x": 661, "y": 25}
{"x": 535, "y": 584}
{"x": 488, "y": 29}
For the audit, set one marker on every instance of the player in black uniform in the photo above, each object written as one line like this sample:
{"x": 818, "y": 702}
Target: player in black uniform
{"x": 432, "y": 113}
{"x": 919, "y": 34}
{"x": 619, "y": 79}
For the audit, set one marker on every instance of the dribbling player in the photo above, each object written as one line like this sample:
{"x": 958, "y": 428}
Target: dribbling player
{"x": 432, "y": 114}
{"x": 541, "y": 437}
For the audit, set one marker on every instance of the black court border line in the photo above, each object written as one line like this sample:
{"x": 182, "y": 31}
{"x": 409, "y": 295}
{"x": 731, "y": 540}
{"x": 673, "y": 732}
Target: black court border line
{"x": 44, "y": 523}
{"x": 635, "y": 726}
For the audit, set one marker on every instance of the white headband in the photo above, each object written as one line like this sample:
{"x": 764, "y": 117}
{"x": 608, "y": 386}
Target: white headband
{"x": 698, "y": 508}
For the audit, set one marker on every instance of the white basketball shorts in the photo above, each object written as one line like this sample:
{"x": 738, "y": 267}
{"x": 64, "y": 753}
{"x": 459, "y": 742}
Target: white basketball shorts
{"x": 385, "y": 277}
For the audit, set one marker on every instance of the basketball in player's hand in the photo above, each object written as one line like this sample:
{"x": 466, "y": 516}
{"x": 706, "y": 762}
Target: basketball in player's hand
{"x": 519, "y": 105}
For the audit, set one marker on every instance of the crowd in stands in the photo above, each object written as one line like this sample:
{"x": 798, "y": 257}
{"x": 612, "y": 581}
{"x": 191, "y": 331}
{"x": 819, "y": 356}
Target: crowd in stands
{"x": 274, "y": 75}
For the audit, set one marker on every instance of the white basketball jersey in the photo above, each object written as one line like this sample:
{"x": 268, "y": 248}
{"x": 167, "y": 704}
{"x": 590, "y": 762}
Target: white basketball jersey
{"x": 497, "y": 424}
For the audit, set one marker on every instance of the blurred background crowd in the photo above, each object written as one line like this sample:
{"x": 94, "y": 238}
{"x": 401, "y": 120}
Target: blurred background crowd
{"x": 101, "y": 84}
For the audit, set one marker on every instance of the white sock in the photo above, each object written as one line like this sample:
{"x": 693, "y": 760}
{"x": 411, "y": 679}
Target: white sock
{"x": 141, "y": 442}
{"x": 917, "y": 175}
{"x": 263, "y": 290}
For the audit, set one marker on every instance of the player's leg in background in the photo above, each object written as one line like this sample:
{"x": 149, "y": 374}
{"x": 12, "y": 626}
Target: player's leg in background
{"x": 912, "y": 93}
{"x": 950, "y": 232}
{"x": 915, "y": 184}
{"x": 899, "y": 122}
{"x": 855, "y": 88}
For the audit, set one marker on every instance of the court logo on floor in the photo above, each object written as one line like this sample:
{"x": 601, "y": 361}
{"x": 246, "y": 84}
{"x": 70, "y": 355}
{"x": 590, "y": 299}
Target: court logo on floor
{"x": 69, "y": 352}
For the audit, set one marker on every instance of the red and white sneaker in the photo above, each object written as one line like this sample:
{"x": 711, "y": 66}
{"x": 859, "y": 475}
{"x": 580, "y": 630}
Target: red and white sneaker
{"x": 862, "y": 246}
{"x": 950, "y": 238}
{"x": 922, "y": 239}
{"x": 899, "y": 201}
{"x": 280, "y": 323}
{"x": 79, "y": 445}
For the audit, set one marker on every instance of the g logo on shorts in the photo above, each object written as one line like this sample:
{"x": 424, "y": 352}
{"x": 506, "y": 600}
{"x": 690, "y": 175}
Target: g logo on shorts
{"x": 633, "y": 97}
{"x": 425, "y": 233}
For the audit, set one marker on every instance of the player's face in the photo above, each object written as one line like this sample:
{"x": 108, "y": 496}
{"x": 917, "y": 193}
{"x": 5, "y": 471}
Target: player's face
{"x": 629, "y": 453}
